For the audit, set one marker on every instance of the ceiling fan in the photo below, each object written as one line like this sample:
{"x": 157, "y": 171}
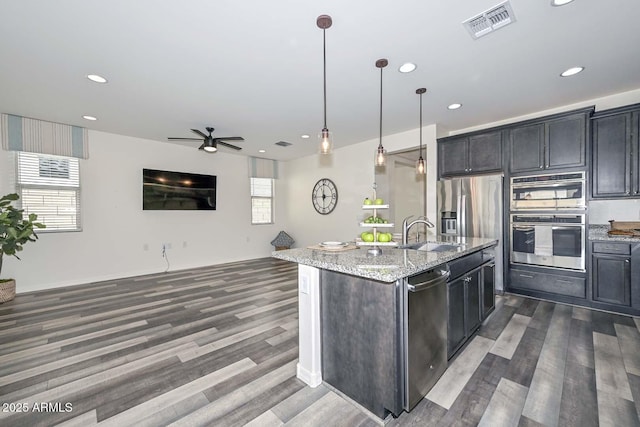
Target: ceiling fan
{"x": 210, "y": 144}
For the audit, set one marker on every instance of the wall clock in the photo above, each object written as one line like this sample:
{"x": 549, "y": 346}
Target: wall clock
{"x": 324, "y": 196}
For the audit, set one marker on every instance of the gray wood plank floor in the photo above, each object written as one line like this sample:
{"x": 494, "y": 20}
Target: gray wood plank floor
{"x": 218, "y": 346}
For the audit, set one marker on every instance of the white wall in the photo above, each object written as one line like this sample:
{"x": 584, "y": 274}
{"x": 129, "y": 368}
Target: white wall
{"x": 351, "y": 169}
{"x": 119, "y": 239}
{"x": 601, "y": 211}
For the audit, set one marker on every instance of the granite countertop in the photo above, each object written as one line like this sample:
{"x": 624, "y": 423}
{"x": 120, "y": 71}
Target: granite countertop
{"x": 391, "y": 265}
{"x": 599, "y": 232}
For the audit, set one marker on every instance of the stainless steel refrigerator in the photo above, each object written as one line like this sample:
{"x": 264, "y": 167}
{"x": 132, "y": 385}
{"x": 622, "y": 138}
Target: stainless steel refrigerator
{"x": 472, "y": 207}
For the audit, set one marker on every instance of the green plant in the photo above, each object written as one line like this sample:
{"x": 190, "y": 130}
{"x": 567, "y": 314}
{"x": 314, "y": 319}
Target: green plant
{"x": 15, "y": 229}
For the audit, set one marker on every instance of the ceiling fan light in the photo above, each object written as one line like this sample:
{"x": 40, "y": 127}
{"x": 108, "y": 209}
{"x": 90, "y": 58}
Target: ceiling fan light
{"x": 210, "y": 146}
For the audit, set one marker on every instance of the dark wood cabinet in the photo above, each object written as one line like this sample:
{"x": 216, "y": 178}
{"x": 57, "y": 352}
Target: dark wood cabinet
{"x": 465, "y": 315}
{"x": 455, "y": 326}
{"x": 470, "y": 154}
{"x": 488, "y": 288}
{"x": 612, "y": 279}
{"x": 615, "y": 146}
{"x": 557, "y": 142}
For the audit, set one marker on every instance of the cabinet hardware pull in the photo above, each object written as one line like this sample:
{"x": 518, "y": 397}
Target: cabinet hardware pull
{"x": 563, "y": 281}
{"x": 627, "y": 261}
{"x": 526, "y": 276}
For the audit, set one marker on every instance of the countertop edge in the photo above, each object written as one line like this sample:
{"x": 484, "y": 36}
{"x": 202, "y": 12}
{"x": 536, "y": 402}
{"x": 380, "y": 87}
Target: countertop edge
{"x": 396, "y": 264}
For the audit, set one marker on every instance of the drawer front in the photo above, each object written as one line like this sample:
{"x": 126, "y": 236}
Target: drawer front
{"x": 465, "y": 264}
{"x": 612, "y": 248}
{"x": 551, "y": 283}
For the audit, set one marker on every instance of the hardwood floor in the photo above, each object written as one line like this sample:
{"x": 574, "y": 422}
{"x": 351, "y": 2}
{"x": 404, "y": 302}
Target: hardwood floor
{"x": 218, "y": 346}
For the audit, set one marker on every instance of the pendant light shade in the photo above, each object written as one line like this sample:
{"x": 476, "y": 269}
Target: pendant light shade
{"x": 381, "y": 153}
{"x": 420, "y": 166}
{"x": 325, "y": 137}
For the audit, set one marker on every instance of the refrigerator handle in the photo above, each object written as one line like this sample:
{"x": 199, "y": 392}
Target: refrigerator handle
{"x": 462, "y": 214}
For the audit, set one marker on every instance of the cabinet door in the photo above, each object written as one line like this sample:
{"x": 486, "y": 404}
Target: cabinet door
{"x": 611, "y": 275}
{"x": 611, "y": 168}
{"x": 452, "y": 157}
{"x": 485, "y": 152}
{"x": 488, "y": 290}
{"x": 527, "y": 148}
{"x": 635, "y": 148}
{"x": 566, "y": 142}
{"x": 455, "y": 323}
{"x": 472, "y": 306}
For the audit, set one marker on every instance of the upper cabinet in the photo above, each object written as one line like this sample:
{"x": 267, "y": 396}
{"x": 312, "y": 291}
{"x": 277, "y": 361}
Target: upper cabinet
{"x": 615, "y": 164}
{"x": 470, "y": 154}
{"x": 554, "y": 142}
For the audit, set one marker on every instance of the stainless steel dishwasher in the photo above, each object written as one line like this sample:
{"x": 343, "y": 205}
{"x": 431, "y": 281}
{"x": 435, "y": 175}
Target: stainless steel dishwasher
{"x": 425, "y": 335}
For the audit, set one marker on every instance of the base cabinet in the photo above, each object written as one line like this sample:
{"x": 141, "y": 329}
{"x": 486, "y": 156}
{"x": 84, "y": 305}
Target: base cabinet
{"x": 464, "y": 296}
{"x": 615, "y": 275}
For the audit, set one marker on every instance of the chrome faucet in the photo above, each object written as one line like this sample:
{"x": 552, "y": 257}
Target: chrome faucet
{"x": 406, "y": 225}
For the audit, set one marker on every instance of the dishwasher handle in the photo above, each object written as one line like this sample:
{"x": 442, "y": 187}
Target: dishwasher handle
{"x": 439, "y": 276}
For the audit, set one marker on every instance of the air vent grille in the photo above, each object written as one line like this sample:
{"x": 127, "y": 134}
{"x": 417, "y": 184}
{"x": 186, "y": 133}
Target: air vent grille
{"x": 490, "y": 20}
{"x": 283, "y": 143}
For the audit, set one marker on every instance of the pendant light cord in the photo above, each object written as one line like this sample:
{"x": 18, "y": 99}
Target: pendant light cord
{"x": 421, "y": 125}
{"x": 381, "y": 106}
{"x": 324, "y": 73}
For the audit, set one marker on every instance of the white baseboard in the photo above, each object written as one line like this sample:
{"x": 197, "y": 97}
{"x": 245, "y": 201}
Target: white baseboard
{"x": 312, "y": 379}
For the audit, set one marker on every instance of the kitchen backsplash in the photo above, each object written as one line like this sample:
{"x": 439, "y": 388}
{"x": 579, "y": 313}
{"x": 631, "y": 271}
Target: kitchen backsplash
{"x": 601, "y": 211}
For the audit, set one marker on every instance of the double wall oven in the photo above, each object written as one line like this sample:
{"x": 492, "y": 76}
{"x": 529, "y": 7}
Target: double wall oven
{"x": 547, "y": 220}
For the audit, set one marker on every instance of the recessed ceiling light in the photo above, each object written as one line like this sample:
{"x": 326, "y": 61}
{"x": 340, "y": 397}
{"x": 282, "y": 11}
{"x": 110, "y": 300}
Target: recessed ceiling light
{"x": 560, "y": 2}
{"x": 96, "y": 78}
{"x": 92, "y": 118}
{"x": 262, "y": 151}
{"x": 305, "y": 136}
{"x": 407, "y": 67}
{"x": 454, "y": 106}
{"x": 571, "y": 71}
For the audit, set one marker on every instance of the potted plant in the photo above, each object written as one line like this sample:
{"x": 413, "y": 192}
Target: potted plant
{"x": 15, "y": 231}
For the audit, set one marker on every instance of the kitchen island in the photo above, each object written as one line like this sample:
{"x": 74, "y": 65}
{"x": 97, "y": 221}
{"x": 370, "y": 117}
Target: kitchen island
{"x": 355, "y": 325}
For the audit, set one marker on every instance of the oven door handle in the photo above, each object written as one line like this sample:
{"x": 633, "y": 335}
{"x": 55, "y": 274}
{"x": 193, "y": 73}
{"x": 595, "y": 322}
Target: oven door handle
{"x": 566, "y": 227}
{"x": 523, "y": 227}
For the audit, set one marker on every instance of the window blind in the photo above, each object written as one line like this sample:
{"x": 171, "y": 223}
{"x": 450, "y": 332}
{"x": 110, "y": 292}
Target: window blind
{"x": 261, "y": 200}
{"x": 49, "y": 186}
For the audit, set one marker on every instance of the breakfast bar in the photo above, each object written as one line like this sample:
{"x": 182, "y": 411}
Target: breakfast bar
{"x": 358, "y": 315}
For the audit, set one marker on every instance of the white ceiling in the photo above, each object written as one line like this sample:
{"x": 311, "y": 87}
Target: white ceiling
{"x": 254, "y": 68}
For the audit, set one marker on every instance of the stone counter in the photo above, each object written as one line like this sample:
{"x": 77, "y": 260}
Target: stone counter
{"x": 391, "y": 265}
{"x": 599, "y": 232}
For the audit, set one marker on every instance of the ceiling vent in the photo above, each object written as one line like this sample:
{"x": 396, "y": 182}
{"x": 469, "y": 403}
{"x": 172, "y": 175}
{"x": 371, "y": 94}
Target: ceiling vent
{"x": 490, "y": 20}
{"x": 283, "y": 143}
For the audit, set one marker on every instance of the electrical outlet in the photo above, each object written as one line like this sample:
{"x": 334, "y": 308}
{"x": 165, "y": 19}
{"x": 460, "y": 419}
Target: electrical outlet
{"x": 184, "y": 244}
{"x": 145, "y": 247}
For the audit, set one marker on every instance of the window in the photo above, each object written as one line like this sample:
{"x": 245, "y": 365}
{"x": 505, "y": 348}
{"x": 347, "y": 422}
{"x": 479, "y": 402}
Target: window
{"x": 49, "y": 186}
{"x": 261, "y": 201}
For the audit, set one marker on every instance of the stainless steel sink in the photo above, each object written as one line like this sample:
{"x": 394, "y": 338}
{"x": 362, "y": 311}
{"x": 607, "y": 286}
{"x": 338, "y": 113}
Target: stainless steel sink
{"x": 432, "y": 246}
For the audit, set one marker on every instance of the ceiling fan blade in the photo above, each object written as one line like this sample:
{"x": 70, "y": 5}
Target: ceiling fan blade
{"x": 199, "y": 133}
{"x": 184, "y": 139}
{"x": 201, "y": 147}
{"x": 229, "y": 138}
{"x": 229, "y": 145}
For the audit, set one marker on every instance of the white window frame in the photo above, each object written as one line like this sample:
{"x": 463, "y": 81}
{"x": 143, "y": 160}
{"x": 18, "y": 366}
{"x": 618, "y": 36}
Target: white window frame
{"x": 53, "y": 187}
{"x": 257, "y": 197}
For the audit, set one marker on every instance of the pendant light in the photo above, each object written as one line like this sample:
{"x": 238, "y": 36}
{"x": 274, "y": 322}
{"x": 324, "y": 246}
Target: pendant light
{"x": 326, "y": 143}
{"x": 381, "y": 153}
{"x": 420, "y": 167}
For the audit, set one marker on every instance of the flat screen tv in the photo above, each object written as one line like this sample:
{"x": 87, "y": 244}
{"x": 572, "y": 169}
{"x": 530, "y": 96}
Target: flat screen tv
{"x": 166, "y": 190}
